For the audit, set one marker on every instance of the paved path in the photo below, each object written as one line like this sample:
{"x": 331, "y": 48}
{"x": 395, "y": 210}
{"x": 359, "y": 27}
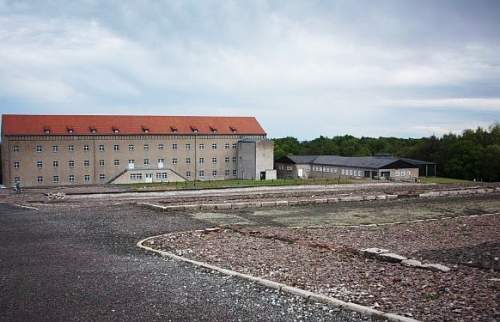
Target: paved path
{"x": 82, "y": 265}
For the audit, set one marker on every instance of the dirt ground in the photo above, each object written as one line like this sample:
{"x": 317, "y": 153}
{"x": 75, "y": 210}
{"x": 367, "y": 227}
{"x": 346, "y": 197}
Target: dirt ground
{"x": 278, "y": 244}
{"x": 356, "y": 213}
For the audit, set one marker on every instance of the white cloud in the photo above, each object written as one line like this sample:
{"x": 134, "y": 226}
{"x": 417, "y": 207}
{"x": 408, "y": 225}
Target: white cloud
{"x": 492, "y": 104}
{"x": 238, "y": 59}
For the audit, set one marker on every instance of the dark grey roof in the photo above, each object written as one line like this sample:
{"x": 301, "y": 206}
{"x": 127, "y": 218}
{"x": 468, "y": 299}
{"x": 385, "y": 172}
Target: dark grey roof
{"x": 370, "y": 162}
{"x": 358, "y": 162}
{"x": 301, "y": 159}
{"x": 417, "y": 162}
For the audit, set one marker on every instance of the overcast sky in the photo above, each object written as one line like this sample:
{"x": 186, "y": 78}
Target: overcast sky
{"x": 303, "y": 68}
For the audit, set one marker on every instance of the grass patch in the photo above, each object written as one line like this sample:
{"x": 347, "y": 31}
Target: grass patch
{"x": 236, "y": 183}
{"x": 441, "y": 180}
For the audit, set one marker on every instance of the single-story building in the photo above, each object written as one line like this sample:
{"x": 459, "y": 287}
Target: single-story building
{"x": 425, "y": 168}
{"x": 334, "y": 166}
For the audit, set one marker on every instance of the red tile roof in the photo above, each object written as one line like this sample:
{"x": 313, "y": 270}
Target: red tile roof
{"x": 14, "y": 124}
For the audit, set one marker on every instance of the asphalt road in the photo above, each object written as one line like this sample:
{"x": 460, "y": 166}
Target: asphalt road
{"x": 81, "y": 264}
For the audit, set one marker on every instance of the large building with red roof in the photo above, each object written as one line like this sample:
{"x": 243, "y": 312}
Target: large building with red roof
{"x": 47, "y": 150}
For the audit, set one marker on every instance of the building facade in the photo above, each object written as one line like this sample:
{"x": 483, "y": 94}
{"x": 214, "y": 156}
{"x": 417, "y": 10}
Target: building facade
{"x": 47, "y": 150}
{"x": 333, "y": 166}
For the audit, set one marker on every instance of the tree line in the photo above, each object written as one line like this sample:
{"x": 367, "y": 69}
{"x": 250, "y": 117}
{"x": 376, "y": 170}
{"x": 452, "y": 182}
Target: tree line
{"x": 473, "y": 154}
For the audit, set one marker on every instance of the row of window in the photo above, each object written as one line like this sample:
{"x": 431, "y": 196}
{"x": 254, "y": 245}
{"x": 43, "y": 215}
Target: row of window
{"x": 86, "y": 163}
{"x": 133, "y": 176}
{"x": 345, "y": 172}
{"x": 47, "y": 130}
{"x": 163, "y": 175}
{"x": 56, "y": 179}
{"x": 131, "y": 147}
{"x": 402, "y": 173}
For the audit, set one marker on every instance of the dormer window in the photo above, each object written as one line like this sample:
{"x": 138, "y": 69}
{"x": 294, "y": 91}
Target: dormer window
{"x": 70, "y": 130}
{"x": 233, "y": 129}
{"x": 194, "y": 129}
{"x": 116, "y": 130}
{"x": 93, "y": 130}
{"x": 173, "y": 129}
{"x": 46, "y": 130}
{"x": 213, "y": 129}
{"x": 145, "y": 129}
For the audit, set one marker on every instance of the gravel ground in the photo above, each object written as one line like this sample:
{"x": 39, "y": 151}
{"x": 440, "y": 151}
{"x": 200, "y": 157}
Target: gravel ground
{"x": 82, "y": 264}
{"x": 326, "y": 261}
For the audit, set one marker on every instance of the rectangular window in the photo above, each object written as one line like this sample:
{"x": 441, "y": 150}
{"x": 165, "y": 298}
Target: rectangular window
{"x": 201, "y": 161}
{"x": 86, "y": 178}
{"x": 202, "y": 146}
{"x": 116, "y": 147}
{"x": 214, "y": 160}
{"x": 39, "y": 148}
{"x": 55, "y": 163}
{"x": 85, "y": 147}
{"x": 161, "y": 175}
{"x": 174, "y": 146}
{"x": 188, "y": 146}
{"x": 214, "y": 173}
{"x": 161, "y": 160}
{"x": 214, "y": 146}
{"x": 55, "y": 148}
{"x": 39, "y": 179}
{"x": 71, "y": 147}
{"x": 234, "y": 159}
{"x": 102, "y": 176}
{"x": 201, "y": 173}
{"x": 71, "y": 178}
{"x": 39, "y": 164}
{"x": 188, "y": 160}
{"x": 15, "y": 148}
{"x": 226, "y": 159}
{"x": 101, "y": 163}
{"x": 188, "y": 173}
{"x": 131, "y": 161}
{"x": 146, "y": 147}
{"x": 55, "y": 179}
{"x": 116, "y": 162}
{"x": 16, "y": 164}
{"x": 101, "y": 147}
{"x": 136, "y": 176}
{"x": 131, "y": 147}
{"x": 17, "y": 179}
{"x": 226, "y": 172}
{"x": 234, "y": 173}
{"x": 174, "y": 161}
{"x": 161, "y": 146}
{"x": 227, "y": 146}
{"x": 86, "y": 163}
{"x": 146, "y": 161}
{"x": 235, "y": 145}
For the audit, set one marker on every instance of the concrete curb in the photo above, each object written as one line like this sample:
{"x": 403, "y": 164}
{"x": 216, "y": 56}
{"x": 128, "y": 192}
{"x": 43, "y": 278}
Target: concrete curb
{"x": 365, "y": 310}
{"x": 394, "y": 222}
{"x": 299, "y": 202}
{"x": 25, "y": 207}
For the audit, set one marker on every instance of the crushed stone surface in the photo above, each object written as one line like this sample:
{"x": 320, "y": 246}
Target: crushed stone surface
{"x": 328, "y": 261}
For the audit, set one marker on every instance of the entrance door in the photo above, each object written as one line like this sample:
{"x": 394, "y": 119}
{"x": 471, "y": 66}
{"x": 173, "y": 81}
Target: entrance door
{"x": 149, "y": 177}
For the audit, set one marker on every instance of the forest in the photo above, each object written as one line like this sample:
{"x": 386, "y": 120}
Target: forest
{"x": 473, "y": 154}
